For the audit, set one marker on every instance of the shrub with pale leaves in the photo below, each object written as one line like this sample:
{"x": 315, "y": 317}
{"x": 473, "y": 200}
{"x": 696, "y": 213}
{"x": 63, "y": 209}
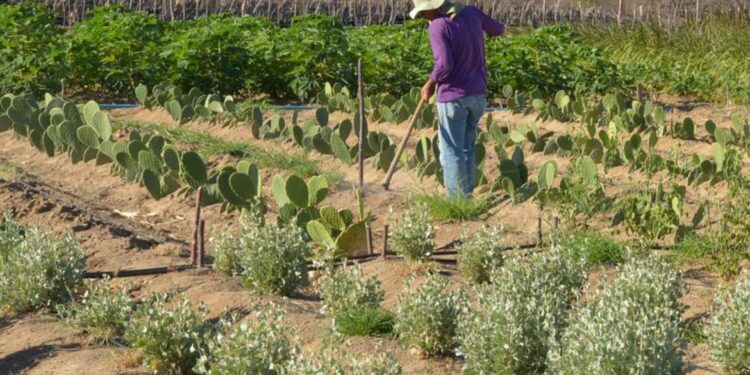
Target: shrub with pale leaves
{"x": 426, "y": 318}
{"x": 345, "y": 288}
{"x": 631, "y": 327}
{"x": 272, "y": 259}
{"x": 37, "y": 269}
{"x": 329, "y": 361}
{"x": 480, "y": 253}
{"x": 519, "y": 315}
{"x": 413, "y": 236}
{"x": 729, "y": 334}
{"x": 170, "y": 335}
{"x": 102, "y": 312}
{"x": 258, "y": 345}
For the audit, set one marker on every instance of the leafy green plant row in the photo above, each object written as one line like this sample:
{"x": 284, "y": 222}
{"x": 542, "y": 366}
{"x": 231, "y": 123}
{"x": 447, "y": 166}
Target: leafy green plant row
{"x": 112, "y": 50}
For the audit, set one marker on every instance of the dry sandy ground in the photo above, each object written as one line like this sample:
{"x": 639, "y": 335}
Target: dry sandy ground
{"x": 57, "y": 195}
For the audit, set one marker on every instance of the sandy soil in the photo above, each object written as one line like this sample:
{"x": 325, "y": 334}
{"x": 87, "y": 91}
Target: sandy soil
{"x": 120, "y": 227}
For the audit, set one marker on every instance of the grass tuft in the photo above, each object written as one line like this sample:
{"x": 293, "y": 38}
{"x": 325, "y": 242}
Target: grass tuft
{"x": 596, "y": 248}
{"x": 365, "y": 320}
{"x": 442, "y": 208}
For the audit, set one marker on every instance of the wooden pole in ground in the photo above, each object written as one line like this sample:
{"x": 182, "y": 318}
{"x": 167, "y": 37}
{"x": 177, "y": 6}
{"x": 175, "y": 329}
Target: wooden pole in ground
{"x": 196, "y": 230}
{"x": 362, "y": 119}
{"x": 539, "y": 229}
{"x": 385, "y": 241}
{"x": 362, "y": 139}
{"x": 201, "y": 244}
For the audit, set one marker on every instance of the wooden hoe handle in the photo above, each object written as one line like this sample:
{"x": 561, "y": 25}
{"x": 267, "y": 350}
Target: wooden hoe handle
{"x": 400, "y": 150}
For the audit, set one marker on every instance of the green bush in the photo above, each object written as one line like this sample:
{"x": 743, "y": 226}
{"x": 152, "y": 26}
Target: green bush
{"x": 226, "y": 258}
{"x": 169, "y": 336}
{"x": 102, "y": 312}
{"x": 729, "y": 333}
{"x": 36, "y": 268}
{"x": 114, "y": 50}
{"x": 595, "y": 248}
{"x": 258, "y": 345}
{"x": 480, "y": 253}
{"x": 631, "y": 327}
{"x": 209, "y": 53}
{"x": 272, "y": 258}
{"x": 315, "y": 51}
{"x": 413, "y": 236}
{"x": 427, "y": 315}
{"x": 345, "y": 288}
{"x": 328, "y": 360}
{"x": 520, "y": 314}
{"x": 32, "y": 48}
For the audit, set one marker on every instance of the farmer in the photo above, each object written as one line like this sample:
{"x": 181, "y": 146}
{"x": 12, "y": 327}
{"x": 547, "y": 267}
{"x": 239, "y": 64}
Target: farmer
{"x": 460, "y": 72}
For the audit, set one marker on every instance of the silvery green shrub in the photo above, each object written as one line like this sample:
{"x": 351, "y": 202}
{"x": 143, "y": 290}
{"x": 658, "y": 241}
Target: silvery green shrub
{"x": 329, "y": 361}
{"x": 520, "y": 314}
{"x": 426, "y": 317}
{"x": 480, "y": 253}
{"x": 226, "y": 259}
{"x": 413, "y": 236}
{"x": 257, "y": 345}
{"x": 102, "y": 312}
{"x": 345, "y": 288}
{"x": 169, "y": 334}
{"x": 729, "y": 334}
{"x": 631, "y": 327}
{"x": 36, "y": 268}
{"x": 272, "y": 259}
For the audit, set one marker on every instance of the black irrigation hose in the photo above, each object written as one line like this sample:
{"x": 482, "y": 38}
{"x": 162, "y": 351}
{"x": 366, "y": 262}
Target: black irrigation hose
{"x": 135, "y": 272}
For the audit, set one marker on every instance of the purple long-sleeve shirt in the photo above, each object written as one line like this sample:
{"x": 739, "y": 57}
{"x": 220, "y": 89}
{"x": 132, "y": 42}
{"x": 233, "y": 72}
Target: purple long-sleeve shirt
{"x": 458, "y": 48}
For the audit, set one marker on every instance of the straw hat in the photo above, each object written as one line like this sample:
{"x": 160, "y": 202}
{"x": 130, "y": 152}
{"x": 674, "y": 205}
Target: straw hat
{"x": 422, "y": 5}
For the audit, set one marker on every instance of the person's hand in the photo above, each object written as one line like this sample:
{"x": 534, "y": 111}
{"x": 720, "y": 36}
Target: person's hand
{"x": 427, "y": 90}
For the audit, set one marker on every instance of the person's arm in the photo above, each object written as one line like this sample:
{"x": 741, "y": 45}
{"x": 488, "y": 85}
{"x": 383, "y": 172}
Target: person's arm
{"x": 490, "y": 26}
{"x": 443, "y": 59}
{"x": 441, "y": 51}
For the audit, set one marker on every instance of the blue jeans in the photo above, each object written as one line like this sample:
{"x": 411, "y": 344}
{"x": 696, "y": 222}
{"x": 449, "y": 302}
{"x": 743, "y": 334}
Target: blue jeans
{"x": 458, "y": 121}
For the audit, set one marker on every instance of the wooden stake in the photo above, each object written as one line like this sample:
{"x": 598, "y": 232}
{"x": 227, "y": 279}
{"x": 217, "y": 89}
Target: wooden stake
{"x": 539, "y": 229}
{"x": 201, "y": 244}
{"x": 362, "y": 120}
{"x": 196, "y": 230}
{"x": 385, "y": 241}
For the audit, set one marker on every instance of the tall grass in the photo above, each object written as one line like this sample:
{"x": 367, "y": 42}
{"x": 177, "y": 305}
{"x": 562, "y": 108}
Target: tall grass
{"x": 264, "y": 157}
{"x": 706, "y": 60}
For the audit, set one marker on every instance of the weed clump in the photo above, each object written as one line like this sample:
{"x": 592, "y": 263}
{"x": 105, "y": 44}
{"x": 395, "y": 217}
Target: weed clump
{"x": 595, "y": 248}
{"x": 729, "y": 334}
{"x": 632, "y": 327}
{"x": 353, "y": 301}
{"x": 458, "y": 208}
{"x": 170, "y": 338}
{"x": 427, "y": 316}
{"x": 520, "y": 314}
{"x": 480, "y": 253}
{"x": 102, "y": 312}
{"x": 36, "y": 268}
{"x": 413, "y": 237}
